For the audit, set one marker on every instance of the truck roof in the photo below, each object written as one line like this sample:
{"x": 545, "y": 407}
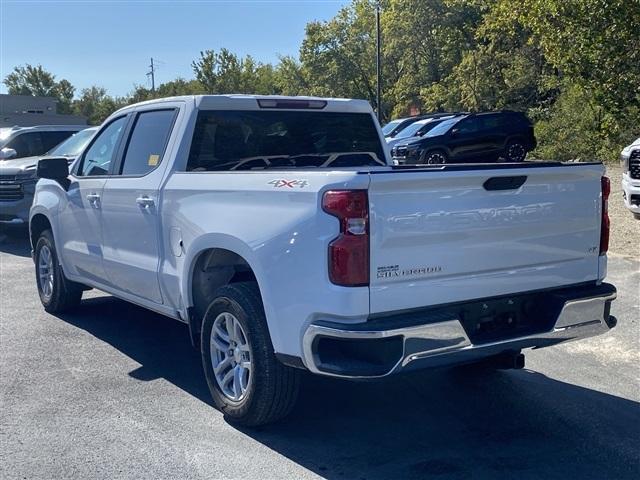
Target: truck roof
{"x": 252, "y": 102}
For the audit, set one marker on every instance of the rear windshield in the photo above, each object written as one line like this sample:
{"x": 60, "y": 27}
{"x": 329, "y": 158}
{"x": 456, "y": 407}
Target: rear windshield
{"x": 257, "y": 140}
{"x": 443, "y": 128}
{"x": 411, "y": 130}
{"x": 389, "y": 127}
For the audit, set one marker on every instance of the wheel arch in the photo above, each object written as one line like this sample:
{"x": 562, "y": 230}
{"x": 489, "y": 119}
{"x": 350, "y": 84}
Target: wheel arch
{"x": 515, "y": 137}
{"x": 38, "y": 224}
{"x": 211, "y": 266}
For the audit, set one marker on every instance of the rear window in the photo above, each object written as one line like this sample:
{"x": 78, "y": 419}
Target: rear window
{"x": 256, "y": 140}
{"x": 390, "y": 127}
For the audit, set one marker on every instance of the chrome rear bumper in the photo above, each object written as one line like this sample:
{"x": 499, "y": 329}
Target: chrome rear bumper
{"x": 445, "y": 341}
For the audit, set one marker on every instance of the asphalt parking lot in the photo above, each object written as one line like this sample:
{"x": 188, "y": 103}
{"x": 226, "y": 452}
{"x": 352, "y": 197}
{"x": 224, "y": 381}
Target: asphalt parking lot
{"x": 114, "y": 391}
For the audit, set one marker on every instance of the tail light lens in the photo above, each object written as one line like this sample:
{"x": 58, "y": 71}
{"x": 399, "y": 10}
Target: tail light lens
{"x": 349, "y": 251}
{"x": 605, "y": 224}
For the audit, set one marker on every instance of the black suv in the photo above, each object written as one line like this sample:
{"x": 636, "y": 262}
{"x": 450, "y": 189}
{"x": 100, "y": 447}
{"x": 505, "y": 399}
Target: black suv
{"x": 475, "y": 137}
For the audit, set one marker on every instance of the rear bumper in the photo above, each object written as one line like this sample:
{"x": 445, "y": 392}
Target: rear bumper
{"x": 436, "y": 337}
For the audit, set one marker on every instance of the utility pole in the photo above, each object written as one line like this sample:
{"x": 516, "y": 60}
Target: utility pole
{"x": 378, "y": 64}
{"x": 152, "y": 74}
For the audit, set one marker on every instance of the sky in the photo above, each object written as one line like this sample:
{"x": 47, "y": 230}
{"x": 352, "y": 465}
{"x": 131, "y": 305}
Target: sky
{"x": 110, "y": 43}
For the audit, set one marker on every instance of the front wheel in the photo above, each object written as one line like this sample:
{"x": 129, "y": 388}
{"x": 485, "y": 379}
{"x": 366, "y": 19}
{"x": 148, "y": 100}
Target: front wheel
{"x": 247, "y": 383}
{"x": 57, "y": 293}
{"x": 636, "y": 216}
{"x": 434, "y": 157}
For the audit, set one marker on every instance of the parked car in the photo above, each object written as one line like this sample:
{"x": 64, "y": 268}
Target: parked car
{"x": 18, "y": 177}
{"x": 630, "y": 159}
{"x": 19, "y": 142}
{"x": 394, "y": 127}
{"x": 278, "y": 231}
{"x": 473, "y": 137}
{"x": 416, "y": 130}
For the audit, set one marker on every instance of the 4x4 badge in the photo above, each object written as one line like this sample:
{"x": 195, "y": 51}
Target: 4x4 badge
{"x": 285, "y": 183}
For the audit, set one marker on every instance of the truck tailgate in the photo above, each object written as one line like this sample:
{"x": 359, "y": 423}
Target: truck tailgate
{"x": 447, "y": 236}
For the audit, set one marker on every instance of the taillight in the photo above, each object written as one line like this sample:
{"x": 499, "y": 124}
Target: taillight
{"x": 605, "y": 224}
{"x": 349, "y": 251}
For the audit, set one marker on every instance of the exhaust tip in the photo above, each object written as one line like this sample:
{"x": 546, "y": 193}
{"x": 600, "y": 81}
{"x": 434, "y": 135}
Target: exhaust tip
{"x": 509, "y": 361}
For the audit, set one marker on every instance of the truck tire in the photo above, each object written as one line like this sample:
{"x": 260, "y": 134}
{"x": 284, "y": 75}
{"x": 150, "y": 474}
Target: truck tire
{"x": 57, "y": 293}
{"x": 247, "y": 383}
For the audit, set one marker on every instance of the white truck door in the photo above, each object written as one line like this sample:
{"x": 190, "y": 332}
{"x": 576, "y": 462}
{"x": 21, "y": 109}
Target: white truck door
{"x": 80, "y": 215}
{"x": 130, "y": 219}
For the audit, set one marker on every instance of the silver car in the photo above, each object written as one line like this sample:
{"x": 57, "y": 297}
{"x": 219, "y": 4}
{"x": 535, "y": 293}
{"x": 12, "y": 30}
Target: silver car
{"x": 18, "y": 177}
{"x": 19, "y": 142}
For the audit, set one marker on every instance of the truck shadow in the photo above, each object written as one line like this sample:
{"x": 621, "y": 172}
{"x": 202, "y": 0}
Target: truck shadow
{"x": 450, "y": 423}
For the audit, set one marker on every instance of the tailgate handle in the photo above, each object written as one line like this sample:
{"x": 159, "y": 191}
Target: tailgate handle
{"x": 504, "y": 183}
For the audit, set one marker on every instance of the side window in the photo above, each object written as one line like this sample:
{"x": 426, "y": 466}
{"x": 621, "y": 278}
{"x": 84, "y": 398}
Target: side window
{"x": 97, "y": 159}
{"x": 147, "y": 142}
{"x": 51, "y": 139}
{"x": 492, "y": 122}
{"x": 470, "y": 125}
{"x": 26, "y": 145}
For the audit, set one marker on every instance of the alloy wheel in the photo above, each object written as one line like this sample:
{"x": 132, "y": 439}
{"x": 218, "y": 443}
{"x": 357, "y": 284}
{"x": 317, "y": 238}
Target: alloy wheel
{"x": 436, "y": 158}
{"x": 45, "y": 271}
{"x": 516, "y": 152}
{"x": 230, "y": 357}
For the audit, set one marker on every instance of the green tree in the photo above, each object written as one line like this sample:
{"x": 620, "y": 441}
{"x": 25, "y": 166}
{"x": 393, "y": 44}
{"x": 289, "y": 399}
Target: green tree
{"x": 64, "y": 93}
{"x": 36, "y": 81}
{"x": 96, "y": 105}
{"x": 290, "y": 78}
{"x": 174, "y": 88}
{"x": 338, "y": 56}
{"x": 223, "y": 72}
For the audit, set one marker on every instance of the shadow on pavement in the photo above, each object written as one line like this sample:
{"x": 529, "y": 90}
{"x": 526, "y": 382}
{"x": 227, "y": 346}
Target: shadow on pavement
{"x": 450, "y": 423}
{"x": 14, "y": 240}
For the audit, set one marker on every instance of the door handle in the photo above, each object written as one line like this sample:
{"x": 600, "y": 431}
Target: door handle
{"x": 504, "y": 183}
{"x": 145, "y": 201}
{"x": 93, "y": 199}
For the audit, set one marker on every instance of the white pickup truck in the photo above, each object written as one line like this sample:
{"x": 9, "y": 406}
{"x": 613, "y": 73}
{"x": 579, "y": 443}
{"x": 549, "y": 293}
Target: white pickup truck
{"x": 278, "y": 229}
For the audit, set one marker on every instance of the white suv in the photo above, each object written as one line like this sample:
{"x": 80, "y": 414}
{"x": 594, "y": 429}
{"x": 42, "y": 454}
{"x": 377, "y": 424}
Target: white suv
{"x": 630, "y": 159}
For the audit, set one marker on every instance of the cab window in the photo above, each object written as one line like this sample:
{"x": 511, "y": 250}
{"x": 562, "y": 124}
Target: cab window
{"x": 147, "y": 142}
{"x": 98, "y": 158}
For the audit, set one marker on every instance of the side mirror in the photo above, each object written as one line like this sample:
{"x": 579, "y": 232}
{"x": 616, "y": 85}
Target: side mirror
{"x": 455, "y": 131}
{"x": 56, "y": 168}
{"x": 7, "y": 153}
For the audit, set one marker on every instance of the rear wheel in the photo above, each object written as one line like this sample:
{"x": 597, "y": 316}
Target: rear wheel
{"x": 435, "y": 157}
{"x": 248, "y": 384}
{"x": 57, "y": 293}
{"x": 515, "y": 151}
